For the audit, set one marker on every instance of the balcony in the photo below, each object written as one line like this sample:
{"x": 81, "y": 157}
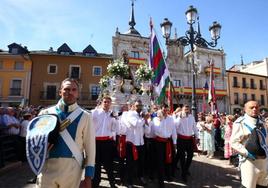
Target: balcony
{"x": 136, "y": 61}
{"x": 262, "y": 87}
{"x": 245, "y": 85}
{"x": 49, "y": 95}
{"x": 15, "y": 92}
{"x": 235, "y": 84}
{"x": 216, "y": 70}
{"x": 85, "y": 98}
{"x": 253, "y": 86}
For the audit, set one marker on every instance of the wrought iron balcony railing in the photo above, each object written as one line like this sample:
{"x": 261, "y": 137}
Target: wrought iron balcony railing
{"x": 15, "y": 92}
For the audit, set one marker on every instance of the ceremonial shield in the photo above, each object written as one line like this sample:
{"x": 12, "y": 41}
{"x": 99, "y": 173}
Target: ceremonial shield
{"x": 37, "y": 140}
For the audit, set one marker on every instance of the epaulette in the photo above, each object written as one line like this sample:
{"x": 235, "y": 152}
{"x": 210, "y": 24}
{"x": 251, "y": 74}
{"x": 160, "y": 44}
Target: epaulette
{"x": 240, "y": 119}
{"x": 47, "y": 109}
{"x": 85, "y": 110}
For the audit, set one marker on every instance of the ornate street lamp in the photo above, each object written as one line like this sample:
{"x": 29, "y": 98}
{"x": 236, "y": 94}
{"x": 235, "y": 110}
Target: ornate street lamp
{"x": 192, "y": 38}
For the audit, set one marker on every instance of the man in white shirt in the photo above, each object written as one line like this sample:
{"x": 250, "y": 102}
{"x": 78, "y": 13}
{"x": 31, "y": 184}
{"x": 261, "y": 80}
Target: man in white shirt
{"x": 186, "y": 133}
{"x": 12, "y": 128}
{"x": 164, "y": 129}
{"x": 105, "y": 126}
{"x": 136, "y": 126}
{"x": 121, "y": 142}
{"x": 11, "y": 122}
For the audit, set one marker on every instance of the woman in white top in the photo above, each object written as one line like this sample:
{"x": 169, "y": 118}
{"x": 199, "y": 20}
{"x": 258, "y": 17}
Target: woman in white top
{"x": 209, "y": 144}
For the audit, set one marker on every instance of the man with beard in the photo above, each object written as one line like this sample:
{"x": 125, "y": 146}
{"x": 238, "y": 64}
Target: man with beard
{"x": 61, "y": 168}
{"x": 164, "y": 129}
{"x": 136, "y": 126}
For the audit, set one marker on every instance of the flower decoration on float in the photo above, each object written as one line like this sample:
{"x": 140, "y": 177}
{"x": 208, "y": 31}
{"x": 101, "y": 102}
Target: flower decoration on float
{"x": 104, "y": 82}
{"x": 117, "y": 68}
{"x": 144, "y": 73}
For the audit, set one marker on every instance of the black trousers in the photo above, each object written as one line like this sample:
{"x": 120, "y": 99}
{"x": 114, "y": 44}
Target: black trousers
{"x": 104, "y": 156}
{"x": 185, "y": 154}
{"x": 218, "y": 142}
{"x": 121, "y": 162}
{"x": 133, "y": 165}
{"x": 150, "y": 159}
{"x": 22, "y": 155}
{"x": 162, "y": 167}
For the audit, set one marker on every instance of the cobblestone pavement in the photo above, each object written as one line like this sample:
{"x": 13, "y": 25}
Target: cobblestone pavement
{"x": 205, "y": 172}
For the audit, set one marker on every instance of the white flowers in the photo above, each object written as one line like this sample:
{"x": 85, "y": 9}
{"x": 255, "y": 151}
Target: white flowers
{"x": 104, "y": 82}
{"x": 144, "y": 73}
{"x": 118, "y": 68}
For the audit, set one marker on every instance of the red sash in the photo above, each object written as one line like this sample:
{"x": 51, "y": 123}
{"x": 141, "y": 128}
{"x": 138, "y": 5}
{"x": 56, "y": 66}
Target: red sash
{"x": 103, "y": 138}
{"x": 195, "y": 149}
{"x": 121, "y": 147}
{"x": 168, "y": 148}
{"x": 185, "y": 137}
{"x": 134, "y": 151}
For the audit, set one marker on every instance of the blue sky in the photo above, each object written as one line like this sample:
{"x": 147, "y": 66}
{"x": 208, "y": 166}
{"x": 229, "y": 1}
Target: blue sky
{"x": 41, "y": 24}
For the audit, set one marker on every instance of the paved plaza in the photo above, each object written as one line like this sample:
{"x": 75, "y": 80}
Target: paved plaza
{"x": 204, "y": 173}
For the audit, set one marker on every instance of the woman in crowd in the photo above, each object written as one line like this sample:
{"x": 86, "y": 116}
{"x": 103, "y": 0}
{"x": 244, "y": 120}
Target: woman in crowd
{"x": 209, "y": 141}
{"x": 201, "y": 128}
{"x": 227, "y": 135}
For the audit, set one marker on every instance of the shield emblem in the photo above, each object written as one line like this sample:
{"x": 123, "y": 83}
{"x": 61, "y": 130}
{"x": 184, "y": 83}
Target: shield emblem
{"x": 37, "y": 140}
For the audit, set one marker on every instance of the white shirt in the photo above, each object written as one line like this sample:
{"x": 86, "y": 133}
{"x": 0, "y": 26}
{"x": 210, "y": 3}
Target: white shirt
{"x": 186, "y": 126}
{"x": 149, "y": 134}
{"x": 122, "y": 127}
{"x": 135, "y": 128}
{"x": 8, "y": 120}
{"x": 23, "y": 128}
{"x": 165, "y": 128}
{"x": 104, "y": 124}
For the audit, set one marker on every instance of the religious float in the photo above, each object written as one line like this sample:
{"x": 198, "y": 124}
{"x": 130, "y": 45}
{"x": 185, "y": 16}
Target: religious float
{"x": 126, "y": 84}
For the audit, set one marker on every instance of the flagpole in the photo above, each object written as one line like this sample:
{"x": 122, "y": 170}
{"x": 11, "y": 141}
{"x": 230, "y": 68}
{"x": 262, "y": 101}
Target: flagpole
{"x": 174, "y": 92}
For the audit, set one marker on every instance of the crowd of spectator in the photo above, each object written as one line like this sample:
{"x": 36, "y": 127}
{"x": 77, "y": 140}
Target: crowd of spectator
{"x": 13, "y": 126}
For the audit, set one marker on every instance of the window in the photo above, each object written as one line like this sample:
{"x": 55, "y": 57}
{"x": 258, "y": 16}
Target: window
{"x": 14, "y": 50}
{"x": 262, "y": 100}
{"x": 235, "y": 84}
{"x": 95, "y": 90}
{"x": 51, "y": 92}
{"x": 261, "y": 85}
{"x": 97, "y": 71}
{"x": 252, "y": 85}
{"x": 91, "y": 54}
{"x": 236, "y": 98}
{"x": 52, "y": 69}
{"x": 253, "y": 97}
{"x": 177, "y": 83}
{"x": 135, "y": 54}
{"x": 74, "y": 71}
{"x": 15, "y": 89}
{"x": 245, "y": 98}
{"x": 244, "y": 83}
{"x": 65, "y": 53}
{"x": 18, "y": 65}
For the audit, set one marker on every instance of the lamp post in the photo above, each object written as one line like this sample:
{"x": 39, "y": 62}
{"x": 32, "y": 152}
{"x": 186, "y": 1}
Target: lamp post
{"x": 192, "y": 38}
